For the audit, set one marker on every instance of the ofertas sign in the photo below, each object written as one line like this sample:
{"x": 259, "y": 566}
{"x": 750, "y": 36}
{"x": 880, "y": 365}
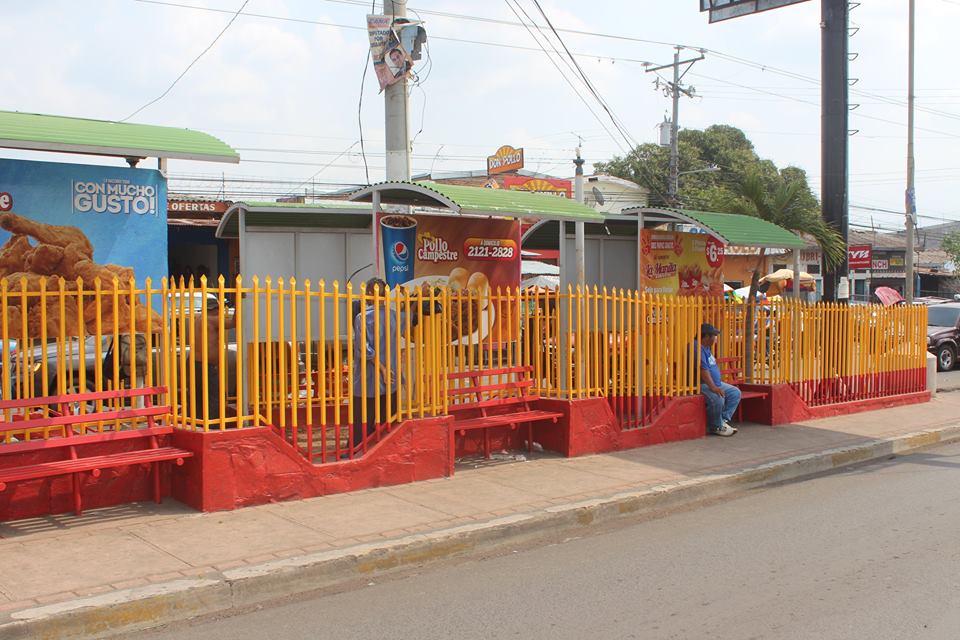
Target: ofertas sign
{"x": 859, "y": 256}
{"x": 120, "y": 213}
{"x": 470, "y": 255}
{"x": 683, "y": 264}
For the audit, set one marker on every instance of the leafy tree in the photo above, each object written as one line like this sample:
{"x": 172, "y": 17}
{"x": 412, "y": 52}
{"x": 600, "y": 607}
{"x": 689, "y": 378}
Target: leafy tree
{"x": 785, "y": 206}
{"x": 951, "y": 246}
{"x": 723, "y": 146}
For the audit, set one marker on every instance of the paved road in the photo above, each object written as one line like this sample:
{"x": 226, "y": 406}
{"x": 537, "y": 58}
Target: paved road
{"x": 948, "y": 380}
{"x": 868, "y": 553}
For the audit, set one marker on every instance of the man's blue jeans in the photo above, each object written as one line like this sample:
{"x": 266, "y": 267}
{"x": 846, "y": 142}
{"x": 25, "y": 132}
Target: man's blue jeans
{"x": 720, "y": 408}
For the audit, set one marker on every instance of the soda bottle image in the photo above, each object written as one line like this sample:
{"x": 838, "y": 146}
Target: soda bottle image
{"x": 399, "y": 235}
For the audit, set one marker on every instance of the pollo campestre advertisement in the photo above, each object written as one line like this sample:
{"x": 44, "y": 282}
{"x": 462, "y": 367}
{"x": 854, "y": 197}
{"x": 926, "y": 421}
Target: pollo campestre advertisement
{"x": 75, "y": 221}
{"x": 476, "y": 257}
{"x": 681, "y": 264}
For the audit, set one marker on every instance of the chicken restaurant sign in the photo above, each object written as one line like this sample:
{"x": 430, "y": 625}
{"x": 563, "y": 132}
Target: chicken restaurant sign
{"x": 504, "y": 160}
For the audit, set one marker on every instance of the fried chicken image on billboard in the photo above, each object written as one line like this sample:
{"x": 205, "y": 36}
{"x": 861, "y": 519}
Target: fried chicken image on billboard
{"x": 61, "y": 253}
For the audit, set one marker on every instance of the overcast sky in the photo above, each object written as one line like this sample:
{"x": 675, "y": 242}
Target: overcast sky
{"x": 283, "y": 84}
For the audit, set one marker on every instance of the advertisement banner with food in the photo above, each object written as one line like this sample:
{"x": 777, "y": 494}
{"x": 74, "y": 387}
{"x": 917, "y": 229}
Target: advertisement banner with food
{"x": 681, "y": 264}
{"x": 475, "y": 255}
{"x": 80, "y": 221}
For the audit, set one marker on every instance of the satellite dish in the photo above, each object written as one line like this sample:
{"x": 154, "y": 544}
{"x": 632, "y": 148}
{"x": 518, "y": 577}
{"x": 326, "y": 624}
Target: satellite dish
{"x": 598, "y": 196}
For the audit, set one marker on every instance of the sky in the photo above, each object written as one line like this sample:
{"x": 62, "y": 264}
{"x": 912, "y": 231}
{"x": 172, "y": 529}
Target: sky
{"x": 284, "y": 84}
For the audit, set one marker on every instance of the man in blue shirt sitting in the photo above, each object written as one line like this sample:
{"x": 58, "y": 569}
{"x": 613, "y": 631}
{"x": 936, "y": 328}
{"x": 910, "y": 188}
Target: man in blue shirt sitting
{"x": 722, "y": 398}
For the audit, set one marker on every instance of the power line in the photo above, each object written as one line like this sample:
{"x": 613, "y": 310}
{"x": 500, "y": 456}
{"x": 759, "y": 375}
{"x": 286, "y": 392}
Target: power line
{"x": 586, "y": 81}
{"x": 566, "y": 79}
{"x": 193, "y": 62}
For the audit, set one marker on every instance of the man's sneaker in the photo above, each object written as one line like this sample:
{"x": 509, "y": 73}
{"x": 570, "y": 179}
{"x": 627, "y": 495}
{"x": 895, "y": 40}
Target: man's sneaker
{"x": 727, "y": 424}
{"x": 725, "y": 431}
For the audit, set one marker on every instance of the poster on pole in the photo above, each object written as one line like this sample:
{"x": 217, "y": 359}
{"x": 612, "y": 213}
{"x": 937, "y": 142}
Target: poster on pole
{"x": 392, "y": 62}
{"x": 681, "y": 264}
{"x": 476, "y": 255}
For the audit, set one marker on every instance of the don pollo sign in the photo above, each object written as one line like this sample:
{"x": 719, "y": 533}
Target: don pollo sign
{"x": 859, "y": 256}
{"x": 505, "y": 159}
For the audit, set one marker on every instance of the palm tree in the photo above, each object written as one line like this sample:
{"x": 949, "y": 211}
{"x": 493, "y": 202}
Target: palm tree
{"x": 784, "y": 207}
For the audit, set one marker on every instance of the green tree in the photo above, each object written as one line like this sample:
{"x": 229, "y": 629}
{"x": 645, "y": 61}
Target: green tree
{"x": 787, "y": 206}
{"x": 723, "y": 146}
{"x": 951, "y": 246}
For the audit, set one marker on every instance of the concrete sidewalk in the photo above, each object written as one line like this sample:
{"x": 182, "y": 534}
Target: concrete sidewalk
{"x": 79, "y": 573}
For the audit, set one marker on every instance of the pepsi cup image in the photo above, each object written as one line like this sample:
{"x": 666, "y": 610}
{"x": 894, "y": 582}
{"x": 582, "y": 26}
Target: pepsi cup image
{"x": 399, "y": 234}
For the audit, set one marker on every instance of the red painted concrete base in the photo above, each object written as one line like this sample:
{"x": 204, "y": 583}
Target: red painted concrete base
{"x": 589, "y": 426}
{"x": 46, "y": 496}
{"x": 784, "y": 405}
{"x": 240, "y": 468}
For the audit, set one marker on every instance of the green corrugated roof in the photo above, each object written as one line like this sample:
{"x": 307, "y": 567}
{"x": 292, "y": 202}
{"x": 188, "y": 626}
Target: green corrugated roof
{"x": 322, "y": 204}
{"x": 479, "y": 201}
{"x": 103, "y": 137}
{"x": 746, "y": 231}
{"x": 733, "y": 229}
{"x": 332, "y": 214}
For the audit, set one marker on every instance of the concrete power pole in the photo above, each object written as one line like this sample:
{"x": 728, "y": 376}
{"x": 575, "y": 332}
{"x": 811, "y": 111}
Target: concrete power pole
{"x": 674, "y": 90}
{"x": 395, "y": 107}
{"x": 911, "y": 197}
{"x": 580, "y": 234}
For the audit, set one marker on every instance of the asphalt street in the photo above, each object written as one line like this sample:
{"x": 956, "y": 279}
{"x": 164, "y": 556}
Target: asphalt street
{"x": 871, "y": 552}
{"x": 948, "y": 380}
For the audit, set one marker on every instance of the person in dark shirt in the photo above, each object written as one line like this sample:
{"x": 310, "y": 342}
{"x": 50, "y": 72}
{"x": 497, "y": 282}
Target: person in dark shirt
{"x": 373, "y": 380}
{"x": 722, "y": 398}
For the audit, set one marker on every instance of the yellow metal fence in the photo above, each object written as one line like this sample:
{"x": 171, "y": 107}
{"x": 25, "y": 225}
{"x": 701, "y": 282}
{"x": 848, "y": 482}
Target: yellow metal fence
{"x": 294, "y": 355}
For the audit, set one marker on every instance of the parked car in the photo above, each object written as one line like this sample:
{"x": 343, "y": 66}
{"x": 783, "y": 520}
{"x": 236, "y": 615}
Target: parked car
{"x": 943, "y": 333}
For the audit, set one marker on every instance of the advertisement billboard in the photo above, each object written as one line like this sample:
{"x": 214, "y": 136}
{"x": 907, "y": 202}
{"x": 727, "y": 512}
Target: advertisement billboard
{"x": 681, "y": 264}
{"x": 506, "y": 159}
{"x": 474, "y": 255}
{"x": 76, "y": 221}
{"x": 859, "y": 256}
{"x": 120, "y": 213}
{"x": 550, "y": 186}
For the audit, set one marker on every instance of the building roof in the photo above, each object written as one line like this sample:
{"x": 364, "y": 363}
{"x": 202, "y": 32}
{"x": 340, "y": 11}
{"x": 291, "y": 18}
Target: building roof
{"x": 730, "y": 228}
{"x": 62, "y": 134}
{"x": 478, "y": 201}
{"x": 877, "y": 240}
{"x": 329, "y": 214}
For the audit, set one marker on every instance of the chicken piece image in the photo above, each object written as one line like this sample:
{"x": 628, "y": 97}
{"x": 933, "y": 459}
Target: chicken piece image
{"x": 44, "y": 259}
{"x": 13, "y": 255}
{"x": 58, "y": 236}
{"x": 53, "y": 320}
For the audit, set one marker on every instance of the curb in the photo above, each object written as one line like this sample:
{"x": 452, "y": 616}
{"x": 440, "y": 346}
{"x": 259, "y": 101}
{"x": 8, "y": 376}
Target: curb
{"x": 233, "y": 590}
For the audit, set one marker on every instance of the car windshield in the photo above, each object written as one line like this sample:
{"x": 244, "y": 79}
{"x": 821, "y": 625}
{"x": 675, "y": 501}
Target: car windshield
{"x": 943, "y": 316}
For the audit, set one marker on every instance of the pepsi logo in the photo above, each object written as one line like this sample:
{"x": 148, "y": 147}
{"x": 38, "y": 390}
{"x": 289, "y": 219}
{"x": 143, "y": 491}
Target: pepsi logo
{"x": 400, "y": 250}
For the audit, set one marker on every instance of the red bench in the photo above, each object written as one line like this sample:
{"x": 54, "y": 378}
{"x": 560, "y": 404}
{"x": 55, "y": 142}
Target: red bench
{"x": 489, "y": 398}
{"x": 732, "y": 374}
{"x": 73, "y": 442}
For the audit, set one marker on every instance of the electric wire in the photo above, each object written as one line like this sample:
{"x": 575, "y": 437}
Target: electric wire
{"x": 193, "y": 62}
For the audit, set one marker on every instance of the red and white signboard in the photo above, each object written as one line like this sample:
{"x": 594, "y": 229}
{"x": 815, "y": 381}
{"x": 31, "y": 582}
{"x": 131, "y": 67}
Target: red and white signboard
{"x": 859, "y": 256}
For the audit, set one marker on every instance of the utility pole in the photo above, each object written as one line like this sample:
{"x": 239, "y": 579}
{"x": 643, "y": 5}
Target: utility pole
{"x": 395, "y": 107}
{"x": 911, "y": 196}
{"x": 834, "y": 130}
{"x": 674, "y": 90}
{"x": 579, "y": 233}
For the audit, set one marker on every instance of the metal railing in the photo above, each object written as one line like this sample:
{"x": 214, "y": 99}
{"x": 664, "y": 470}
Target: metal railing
{"x": 293, "y": 355}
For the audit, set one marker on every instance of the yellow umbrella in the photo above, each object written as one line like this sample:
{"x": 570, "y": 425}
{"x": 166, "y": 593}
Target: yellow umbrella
{"x": 778, "y": 280}
{"x": 786, "y": 274}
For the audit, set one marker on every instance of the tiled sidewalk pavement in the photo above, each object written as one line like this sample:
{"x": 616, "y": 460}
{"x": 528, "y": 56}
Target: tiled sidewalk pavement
{"x": 59, "y": 558}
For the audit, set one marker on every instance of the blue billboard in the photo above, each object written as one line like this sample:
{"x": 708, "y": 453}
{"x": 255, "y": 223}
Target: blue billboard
{"x": 119, "y": 213}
